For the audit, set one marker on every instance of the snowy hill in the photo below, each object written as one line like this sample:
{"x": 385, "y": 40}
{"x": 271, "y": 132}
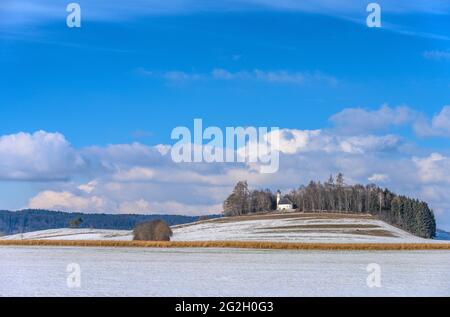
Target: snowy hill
{"x": 276, "y": 227}
{"x": 296, "y": 227}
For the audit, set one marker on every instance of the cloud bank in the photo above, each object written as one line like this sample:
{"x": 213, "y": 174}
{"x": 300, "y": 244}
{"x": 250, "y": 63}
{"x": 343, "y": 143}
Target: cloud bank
{"x": 40, "y": 156}
{"x": 138, "y": 178}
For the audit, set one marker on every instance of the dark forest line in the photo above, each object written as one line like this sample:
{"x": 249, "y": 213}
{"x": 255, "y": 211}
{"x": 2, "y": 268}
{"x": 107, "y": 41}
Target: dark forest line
{"x": 12, "y": 222}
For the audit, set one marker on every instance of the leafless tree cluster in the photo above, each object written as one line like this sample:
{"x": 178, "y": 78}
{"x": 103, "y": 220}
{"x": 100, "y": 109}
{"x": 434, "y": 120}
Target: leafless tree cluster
{"x": 243, "y": 201}
{"x": 338, "y": 197}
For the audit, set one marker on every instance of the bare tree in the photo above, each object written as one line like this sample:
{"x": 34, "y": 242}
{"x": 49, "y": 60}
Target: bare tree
{"x": 238, "y": 202}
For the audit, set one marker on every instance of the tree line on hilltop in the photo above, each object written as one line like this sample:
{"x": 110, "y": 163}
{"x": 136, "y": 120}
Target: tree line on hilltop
{"x": 334, "y": 195}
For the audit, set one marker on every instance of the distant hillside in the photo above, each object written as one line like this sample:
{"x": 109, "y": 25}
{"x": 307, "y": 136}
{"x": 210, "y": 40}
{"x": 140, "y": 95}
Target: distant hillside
{"x": 335, "y": 196}
{"x": 442, "y": 235}
{"x": 12, "y": 222}
{"x": 300, "y": 227}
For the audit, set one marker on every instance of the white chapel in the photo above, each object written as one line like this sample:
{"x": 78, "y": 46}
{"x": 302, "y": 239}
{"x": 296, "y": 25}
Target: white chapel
{"x": 283, "y": 203}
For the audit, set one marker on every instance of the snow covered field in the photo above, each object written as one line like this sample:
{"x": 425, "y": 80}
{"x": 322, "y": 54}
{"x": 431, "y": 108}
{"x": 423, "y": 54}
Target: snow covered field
{"x": 73, "y": 234}
{"x": 333, "y": 228}
{"x": 32, "y": 271}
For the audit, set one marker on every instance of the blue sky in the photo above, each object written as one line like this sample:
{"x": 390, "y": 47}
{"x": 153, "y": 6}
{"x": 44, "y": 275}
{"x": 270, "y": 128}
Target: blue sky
{"x": 132, "y": 73}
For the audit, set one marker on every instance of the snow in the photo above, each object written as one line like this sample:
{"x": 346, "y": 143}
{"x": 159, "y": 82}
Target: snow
{"x": 287, "y": 227}
{"x": 41, "y": 271}
{"x": 73, "y": 234}
{"x": 262, "y": 230}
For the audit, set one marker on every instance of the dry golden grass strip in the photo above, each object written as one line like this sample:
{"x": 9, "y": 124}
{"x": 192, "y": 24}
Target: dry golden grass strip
{"x": 230, "y": 244}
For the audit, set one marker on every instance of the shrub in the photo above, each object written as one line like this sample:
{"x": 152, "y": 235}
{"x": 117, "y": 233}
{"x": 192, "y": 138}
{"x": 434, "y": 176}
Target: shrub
{"x": 157, "y": 230}
{"x": 75, "y": 223}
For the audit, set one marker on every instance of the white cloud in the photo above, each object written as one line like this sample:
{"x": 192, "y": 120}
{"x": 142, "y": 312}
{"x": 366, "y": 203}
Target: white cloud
{"x": 135, "y": 174}
{"x": 137, "y": 206}
{"x": 359, "y": 120}
{"x": 437, "y": 55}
{"x": 354, "y": 121}
{"x": 378, "y": 178}
{"x": 292, "y": 141}
{"x": 438, "y": 126}
{"x": 67, "y": 201}
{"x": 370, "y": 143}
{"x": 169, "y": 207}
{"x": 256, "y": 75}
{"x": 39, "y": 156}
{"x": 434, "y": 168}
{"x": 112, "y": 158}
{"x": 127, "y": 198}
{"x": 89, "y": 187}
{"x": 278, "y": 76}
{"x": 441, "y": 122}
{"x": 182, "y": 76}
